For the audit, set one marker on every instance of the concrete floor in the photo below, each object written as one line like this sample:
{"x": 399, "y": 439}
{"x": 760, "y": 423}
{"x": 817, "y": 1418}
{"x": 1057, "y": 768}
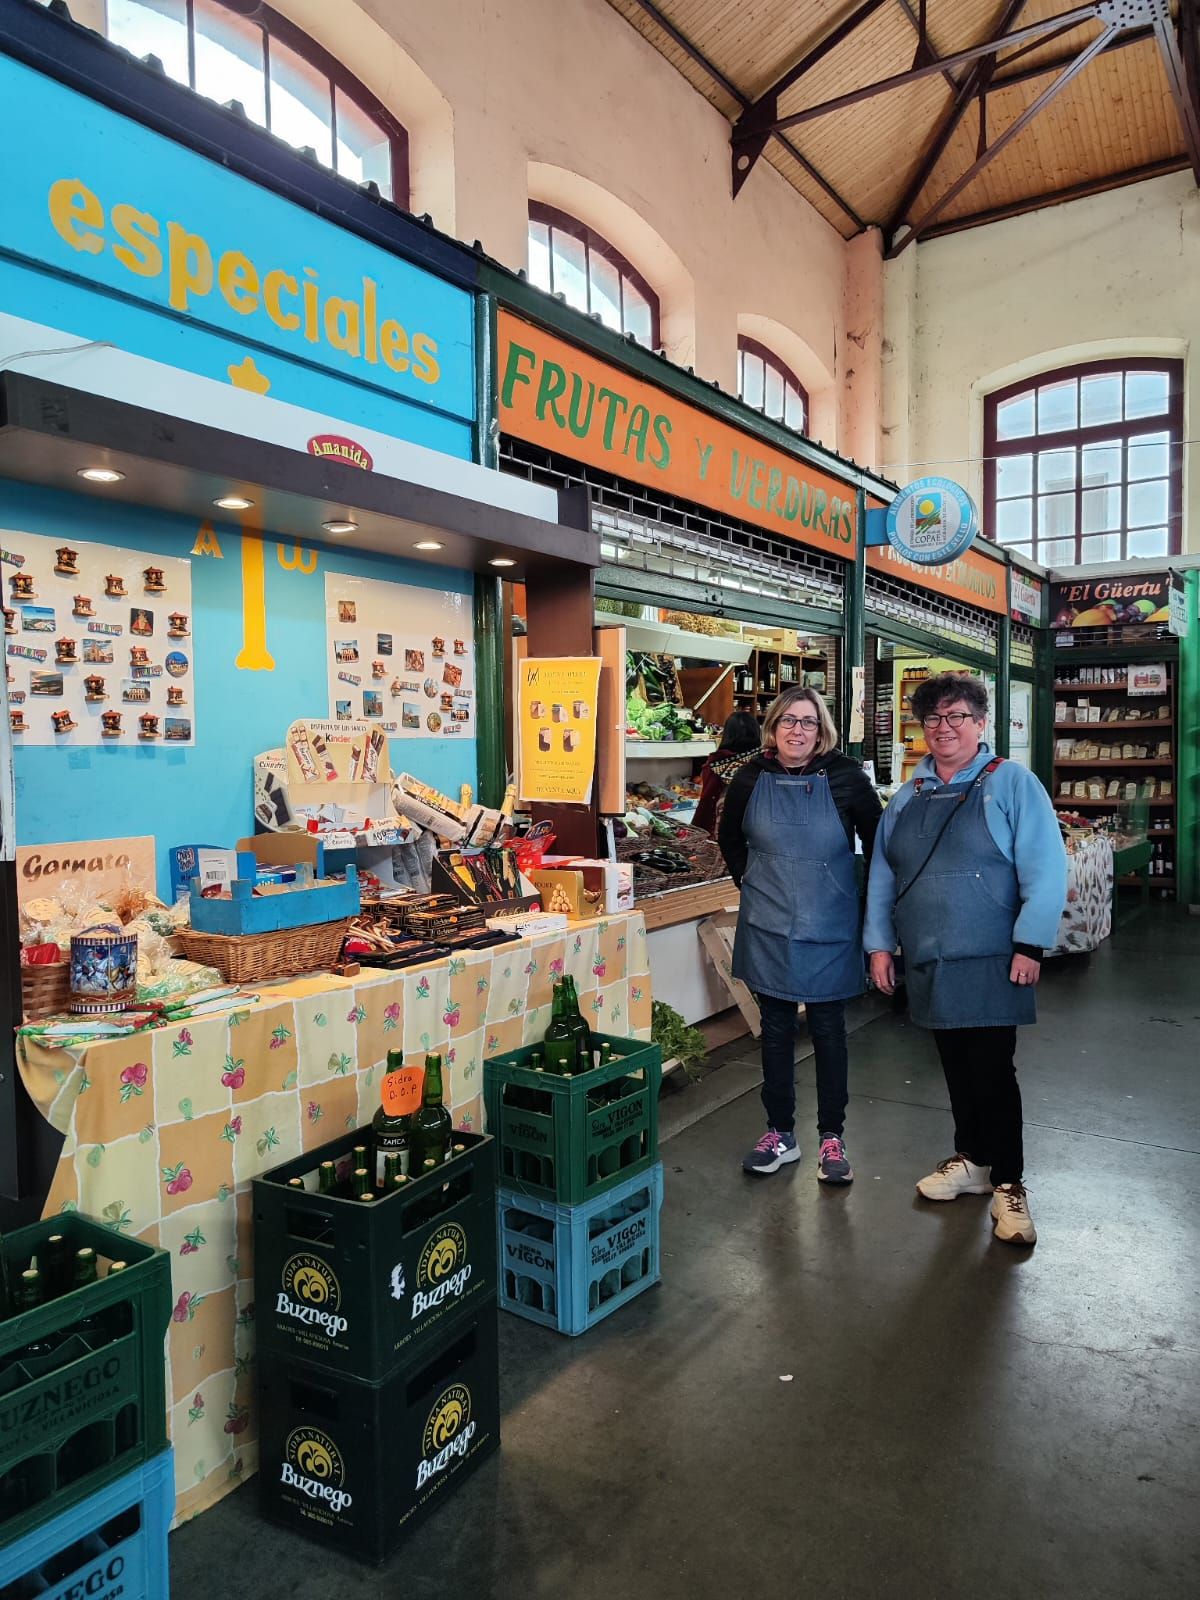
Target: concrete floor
{"x": 850, "y": 1393}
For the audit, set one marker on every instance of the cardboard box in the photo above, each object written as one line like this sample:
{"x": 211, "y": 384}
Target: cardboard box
{"x": 211, "y": 863}
{"x": 610, "y": 881}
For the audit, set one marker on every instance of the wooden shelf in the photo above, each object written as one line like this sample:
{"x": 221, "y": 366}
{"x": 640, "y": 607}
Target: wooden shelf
{"x": 1102, "y": 688}
{"x": 1065, "y": 803}
{"x": 1100, "y": 762}
{"x": 1123, "y": 726}
{"x": 673, "y": 906}
{"x": 1129, "y": 879}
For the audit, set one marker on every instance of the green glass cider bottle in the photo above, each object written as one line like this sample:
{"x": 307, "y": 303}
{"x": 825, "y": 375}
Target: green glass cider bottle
{"x": 560, "y": 1045}
{"x": 431, "y": 1127}
{"x": 392, "y": 1136}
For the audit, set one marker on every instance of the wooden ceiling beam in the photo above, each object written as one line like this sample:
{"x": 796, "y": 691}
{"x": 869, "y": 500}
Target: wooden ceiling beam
{"x": 1058, "y": 197}
{"x": 1185, "y": 90}
{"x": 694, "y": 53}
{"x": 1003, "y": 140}
{"x": 747, "y": 129}
{"x": 976, "y": 79}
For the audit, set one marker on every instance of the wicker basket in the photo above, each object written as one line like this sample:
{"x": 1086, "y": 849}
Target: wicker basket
{"x": 45, "y": 990}
{"x": 259, "y": 957}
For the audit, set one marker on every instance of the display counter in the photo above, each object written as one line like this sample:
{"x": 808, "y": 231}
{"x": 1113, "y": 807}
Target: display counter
{"x": 165, "y": 1130}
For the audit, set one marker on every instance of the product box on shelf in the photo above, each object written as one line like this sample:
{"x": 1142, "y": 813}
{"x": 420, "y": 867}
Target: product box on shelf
{"x": 356, "y": 1288}
{"x": 272, "y": 913}
{"x": 569, "y": 1139}
{"x": 82, "y": 1395}
{"x": 358, "y": 1465}
{"x": 112, "y": 1544}
{"x": 608, "y": 884}
{"x": 569, "y": 1267}
{"x": 209, "y": 862}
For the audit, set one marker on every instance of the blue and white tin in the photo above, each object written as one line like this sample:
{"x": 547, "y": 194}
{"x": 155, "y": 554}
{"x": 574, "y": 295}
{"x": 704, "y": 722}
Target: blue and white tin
{"x": 932, "y": 521}
{"x": 103, "y": 970}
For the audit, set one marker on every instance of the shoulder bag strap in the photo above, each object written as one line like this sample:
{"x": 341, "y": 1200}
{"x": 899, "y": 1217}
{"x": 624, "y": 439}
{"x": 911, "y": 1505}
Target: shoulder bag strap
{"x": 954, "y": 810}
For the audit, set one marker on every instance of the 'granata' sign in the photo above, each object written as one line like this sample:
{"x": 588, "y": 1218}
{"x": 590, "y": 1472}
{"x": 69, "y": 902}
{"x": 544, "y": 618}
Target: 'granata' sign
{"x": 334, "y": 447}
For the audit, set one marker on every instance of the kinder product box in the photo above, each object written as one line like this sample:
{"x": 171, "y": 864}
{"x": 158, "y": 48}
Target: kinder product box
{"x": 610, "y": 882}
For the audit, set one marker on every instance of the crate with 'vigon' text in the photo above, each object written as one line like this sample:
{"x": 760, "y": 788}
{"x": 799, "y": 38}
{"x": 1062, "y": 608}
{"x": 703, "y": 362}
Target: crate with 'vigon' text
{"x": 568, "y": 1139}
{"x": 357, "y": 1288}
{"x": 569, "y": 1267}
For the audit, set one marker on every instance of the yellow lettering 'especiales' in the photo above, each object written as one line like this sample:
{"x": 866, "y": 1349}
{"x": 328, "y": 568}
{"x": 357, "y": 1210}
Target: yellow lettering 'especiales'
{"x": 293, "y": 301}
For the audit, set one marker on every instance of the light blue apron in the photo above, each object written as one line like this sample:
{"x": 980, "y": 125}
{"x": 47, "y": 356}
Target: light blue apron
{"x": 799, "y": 924}
{"x": 955, "y": 924}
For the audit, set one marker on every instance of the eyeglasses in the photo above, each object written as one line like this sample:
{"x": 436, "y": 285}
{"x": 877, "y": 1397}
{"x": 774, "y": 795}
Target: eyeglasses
{"x": 954, "y": 719}
{"x": 809, "y": 724}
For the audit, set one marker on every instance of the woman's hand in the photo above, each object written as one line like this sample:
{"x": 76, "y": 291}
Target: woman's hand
{"x": 883, "y": 971}
{"x": 1024, "y": 970}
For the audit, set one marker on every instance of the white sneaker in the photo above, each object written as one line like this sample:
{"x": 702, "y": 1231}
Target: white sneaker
{"x": 1010, "y": 1210}
{"x": 954, "y": 1177}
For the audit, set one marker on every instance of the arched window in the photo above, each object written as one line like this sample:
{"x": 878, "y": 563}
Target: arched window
{"x": 566, "y": 257}
{"x": 282, "y": 79}
{"x": 1086, "y": 463}
{"x": 770, "y": 386}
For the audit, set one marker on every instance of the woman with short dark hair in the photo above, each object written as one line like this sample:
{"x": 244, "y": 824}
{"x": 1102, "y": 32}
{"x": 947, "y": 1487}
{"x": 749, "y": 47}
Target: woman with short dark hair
{"x": 740, "y": 739}
{"x": 970, "y": 877}
{"x": 787, "y": 833}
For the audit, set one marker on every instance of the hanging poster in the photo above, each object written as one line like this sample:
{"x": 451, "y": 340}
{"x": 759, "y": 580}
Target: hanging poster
{"x": 556, "y": 712}
{"x": 1133, "y": 597}
{"x": 1148, "y": 678}
{"x": 97, "y": 644}
{"x": 400, "y": 657}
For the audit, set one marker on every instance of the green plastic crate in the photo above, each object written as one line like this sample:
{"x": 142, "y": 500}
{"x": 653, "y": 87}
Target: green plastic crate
{"x": 94, "y": 1406}
{"x": 565, "y": 1139}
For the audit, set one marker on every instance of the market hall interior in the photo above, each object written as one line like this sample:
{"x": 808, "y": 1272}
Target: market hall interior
{"x": 515, "y": 519}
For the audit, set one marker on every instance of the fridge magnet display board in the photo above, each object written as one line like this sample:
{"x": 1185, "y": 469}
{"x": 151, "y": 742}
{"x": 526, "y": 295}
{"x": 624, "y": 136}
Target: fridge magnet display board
{"x": 97, "y": 643}
{"x": 400, "y": 657}
{"x": 556, "y": 727}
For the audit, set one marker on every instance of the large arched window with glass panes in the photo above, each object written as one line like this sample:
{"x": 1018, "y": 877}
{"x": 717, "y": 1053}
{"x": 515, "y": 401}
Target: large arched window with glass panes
{"x": 567, "y": 257}
{"x": 1085, "y": 463}
{"x": 280, "y": 77}
{"x": 769, "y": 385}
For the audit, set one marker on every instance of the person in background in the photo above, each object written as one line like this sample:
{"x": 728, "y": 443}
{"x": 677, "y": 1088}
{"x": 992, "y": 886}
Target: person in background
{"x": 787, "y": 833}
{"x": 970, "y": 875}
{"x": 740, "y": 740}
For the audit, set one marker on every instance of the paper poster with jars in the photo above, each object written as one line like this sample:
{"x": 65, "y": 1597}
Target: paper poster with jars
{"x": 98, "y": 645}
{"x": 400, "y": 658}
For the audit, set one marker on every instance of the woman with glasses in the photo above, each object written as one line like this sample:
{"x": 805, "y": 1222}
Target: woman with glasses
{"x": 970, "y": 876}
{"x": 787, "y": 833}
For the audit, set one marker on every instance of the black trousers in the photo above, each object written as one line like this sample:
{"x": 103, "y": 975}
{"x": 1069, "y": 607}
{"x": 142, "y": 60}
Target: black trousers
{"x": 827, "y": 1029}
{"x": 984, "y": 1097}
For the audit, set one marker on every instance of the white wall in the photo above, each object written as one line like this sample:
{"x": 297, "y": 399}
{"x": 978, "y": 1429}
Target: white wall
{"x": 1115, "y": 275}
{"x": 508, "y": 99}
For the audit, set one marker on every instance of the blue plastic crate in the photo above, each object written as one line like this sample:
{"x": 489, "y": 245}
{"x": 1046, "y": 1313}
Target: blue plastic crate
{"x": 568, "y": 1267}
{"x": 112, "y": 1543}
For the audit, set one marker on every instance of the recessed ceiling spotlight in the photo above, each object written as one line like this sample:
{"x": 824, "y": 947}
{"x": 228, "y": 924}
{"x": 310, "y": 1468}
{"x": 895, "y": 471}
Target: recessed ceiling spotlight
{"x": 233, "y": 502}
{"x": 428, "y": 544}
{"x": 340, "y": 525}
{"x": 100, "y": 474}
{"x": 502, "y": 561}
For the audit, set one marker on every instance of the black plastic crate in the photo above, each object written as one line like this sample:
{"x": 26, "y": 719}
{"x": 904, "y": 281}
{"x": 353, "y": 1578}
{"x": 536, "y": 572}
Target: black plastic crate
{"x": 356, "y": 1287}
{"x": 87, "y": 1410}
{"x": 359, "y": 1465}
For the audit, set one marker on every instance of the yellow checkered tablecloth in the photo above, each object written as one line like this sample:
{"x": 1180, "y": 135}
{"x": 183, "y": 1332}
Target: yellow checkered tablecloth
{"x": 165, "y": 1130}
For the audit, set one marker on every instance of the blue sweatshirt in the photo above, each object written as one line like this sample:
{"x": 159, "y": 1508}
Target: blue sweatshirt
{"x": 1021, "y": 820}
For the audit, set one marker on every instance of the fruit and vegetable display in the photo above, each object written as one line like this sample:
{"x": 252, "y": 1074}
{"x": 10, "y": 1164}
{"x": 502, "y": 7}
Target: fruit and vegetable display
{"x": 662, "y": 723}
{"x": 666, "y": 854}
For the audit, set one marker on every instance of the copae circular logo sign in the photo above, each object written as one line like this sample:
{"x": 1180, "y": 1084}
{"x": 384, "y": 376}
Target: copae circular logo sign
{"x": 932, "y": 521}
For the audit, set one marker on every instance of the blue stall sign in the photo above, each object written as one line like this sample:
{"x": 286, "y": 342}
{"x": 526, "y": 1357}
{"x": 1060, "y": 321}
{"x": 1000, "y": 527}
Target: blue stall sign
{"x": 174, "y": 249}
{"x": 931, "y": 522}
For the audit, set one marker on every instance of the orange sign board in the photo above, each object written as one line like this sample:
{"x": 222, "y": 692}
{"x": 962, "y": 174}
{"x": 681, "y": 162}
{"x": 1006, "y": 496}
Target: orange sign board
{"x": 561, "y": 397}
{"x": 971, "y": 578}
{"x": 401, "y": 1090}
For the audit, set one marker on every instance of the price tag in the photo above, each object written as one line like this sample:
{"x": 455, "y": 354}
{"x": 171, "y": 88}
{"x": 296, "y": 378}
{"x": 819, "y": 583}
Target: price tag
{"x": 402, "y": 1090}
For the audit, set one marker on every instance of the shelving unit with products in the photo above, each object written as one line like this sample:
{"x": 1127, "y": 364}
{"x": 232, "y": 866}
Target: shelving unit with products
{"x": 1115, "y": 753}
{"x": 769, "y": 671}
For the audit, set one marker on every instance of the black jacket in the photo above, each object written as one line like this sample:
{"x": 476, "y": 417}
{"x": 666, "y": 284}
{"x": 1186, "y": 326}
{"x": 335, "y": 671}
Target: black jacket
{"x": 856, "y": 801}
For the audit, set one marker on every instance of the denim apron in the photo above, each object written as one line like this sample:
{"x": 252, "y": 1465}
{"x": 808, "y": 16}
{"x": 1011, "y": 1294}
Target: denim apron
{"x": 955, "y": 924}
{"x": 799, "y": 923}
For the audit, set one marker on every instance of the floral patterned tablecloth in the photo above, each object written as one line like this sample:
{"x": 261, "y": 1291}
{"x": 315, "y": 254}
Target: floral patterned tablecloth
{"x": 165, "y": 1130}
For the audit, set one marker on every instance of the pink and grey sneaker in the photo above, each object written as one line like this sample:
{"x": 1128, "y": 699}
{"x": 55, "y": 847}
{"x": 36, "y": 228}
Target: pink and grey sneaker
{"x": 772, "y": 1151}
{"x": 832, "y": 1165}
